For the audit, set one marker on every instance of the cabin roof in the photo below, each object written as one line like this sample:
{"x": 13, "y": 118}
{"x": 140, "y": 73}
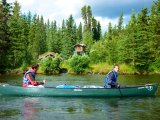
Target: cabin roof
{"x": 83, "y": 45}
{"x": 45, "y": 55}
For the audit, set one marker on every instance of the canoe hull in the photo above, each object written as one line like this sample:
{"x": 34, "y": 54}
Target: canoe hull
{"x": 146, "y": 90}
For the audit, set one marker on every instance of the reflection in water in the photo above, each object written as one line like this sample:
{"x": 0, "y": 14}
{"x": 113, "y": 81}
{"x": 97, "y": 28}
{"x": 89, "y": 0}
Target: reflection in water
{"x": 9, "y": 113}
{"x": 71, "y": 110}
{"x": 29, "y": 108}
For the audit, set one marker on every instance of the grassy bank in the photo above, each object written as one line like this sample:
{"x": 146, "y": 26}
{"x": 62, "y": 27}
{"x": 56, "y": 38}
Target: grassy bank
{"x": 103, "y": 68}
{"x": 100, "y": 68}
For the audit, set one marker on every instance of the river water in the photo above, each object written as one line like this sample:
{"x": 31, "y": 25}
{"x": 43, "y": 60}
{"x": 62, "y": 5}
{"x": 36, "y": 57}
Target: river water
{"x": 52, "y": 108}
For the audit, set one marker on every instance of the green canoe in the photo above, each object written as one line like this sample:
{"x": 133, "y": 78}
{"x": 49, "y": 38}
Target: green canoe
{"x": 129, "y": 91}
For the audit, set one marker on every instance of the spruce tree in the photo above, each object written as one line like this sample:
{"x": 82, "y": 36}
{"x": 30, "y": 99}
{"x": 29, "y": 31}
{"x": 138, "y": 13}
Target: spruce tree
{"x": 48, "y": 35}
{"x": 42, "y": 39}
{"x": 69, "y": 37}
{"x": 120, "y": 23}
{"x": 17, "y": 41}
{"x": 54, "y": 38}
{"x": 142, "y": 51}
{"x": 25, "y": 25}
{"x": 4, "y": 34}
{"x": 87, "y": 35}
{"x": 128, "y": 46}
{"x": 33, "y": 43}
{"x": 155, "y": 36}
{"x": 110, "y": 32}
{"x": 79, "y": 33}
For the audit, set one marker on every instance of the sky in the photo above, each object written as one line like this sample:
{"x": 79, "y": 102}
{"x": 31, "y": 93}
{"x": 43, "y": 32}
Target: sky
{"x": 104, "y": 11}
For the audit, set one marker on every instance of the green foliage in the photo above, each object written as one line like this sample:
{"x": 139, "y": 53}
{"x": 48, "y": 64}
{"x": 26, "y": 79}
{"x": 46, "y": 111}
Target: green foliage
{"x": 87, "y": 39}
{"x": 120, "y": 23}
{"x": 51, "y": 65}
{"x": 5, "y": 9}
{"x": 98, "y": 52}
{"x": 18, "y": 43}
{"x": 102, "y": 68}
{"x": 24, "y": 66}
{"x": 87, "y": 17}
{"x": 96, "y": 30}
{"x": 79, "y": 33}
{"x": 155, "y": 66}
{"x": 112, "y": 51}
{"x": 69, "y": 37}
{"x": 142, "y": 49}
{"x": 24, "y": 37}
{"x": 79, "y": 63}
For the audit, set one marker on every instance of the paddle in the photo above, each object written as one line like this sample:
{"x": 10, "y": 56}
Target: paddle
{"x": 44, "y": 81}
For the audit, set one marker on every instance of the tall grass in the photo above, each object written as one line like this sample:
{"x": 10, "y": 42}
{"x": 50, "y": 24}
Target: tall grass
{"x": 103, "y": 68}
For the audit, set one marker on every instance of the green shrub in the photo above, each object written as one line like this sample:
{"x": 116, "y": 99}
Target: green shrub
{"x": 51, "y": 65}
{"x": 98, "y": 53}
{"x": 155, "y": 66}
{"x": 79, "y": 63}
{"x": 24, "y": 66}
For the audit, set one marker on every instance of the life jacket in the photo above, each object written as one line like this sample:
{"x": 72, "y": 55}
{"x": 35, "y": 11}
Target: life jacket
{"x": 25, "y": 80}
{"x": 108, "y": 82}
{"x": 115, "y": 76}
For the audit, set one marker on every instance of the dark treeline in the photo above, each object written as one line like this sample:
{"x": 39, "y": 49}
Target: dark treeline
{"x": 23, "y": 37}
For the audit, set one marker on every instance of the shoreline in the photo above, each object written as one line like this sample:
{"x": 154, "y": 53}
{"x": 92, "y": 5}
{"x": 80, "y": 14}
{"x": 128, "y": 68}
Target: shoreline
{"x": 17, "y": 71}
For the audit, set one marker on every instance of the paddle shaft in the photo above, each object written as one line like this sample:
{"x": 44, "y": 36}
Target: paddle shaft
{"x": 120, "y": 91}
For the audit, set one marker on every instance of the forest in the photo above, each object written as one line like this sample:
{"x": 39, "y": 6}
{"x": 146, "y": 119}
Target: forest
{"x": 23, "y": 37}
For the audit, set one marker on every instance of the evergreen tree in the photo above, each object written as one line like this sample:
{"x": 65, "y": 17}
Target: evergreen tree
{"x": 42, "y": 39}
{"x": 25, "y": 25}
{"x": 110, "y": 43}
{"x": 94, "y": 29}
{"x": 142, "y": 51}
{"x": 79, "y": 33}
{"x": 120, "y": 23}
{"x": 48, "y": 35}
{"x": 154, "y": 24}
{"x": 29, "y": 18}
{"x": 17, "y": 41}
{"x": 87, "y": 35}
{"x": 87, "y": 17}
{"x": 112, "y": 51}
{"x": 98, "y": 52}
{"x": 37, "y": 37}
{"x": 4, "y": 34}
{"x": 54, "y": 38}
{"x": 70, "y": 38}
{"x": 128, "y": 45}
{"x": 110, "y": 32}
{"x": 84, "y": 17}
{"x": 99, "y": 34}
{"x": 33, "y": 47}
{"x": 59, "y": 40}
{"x": 63, "y": 39}
{"x": 87, "y": 39}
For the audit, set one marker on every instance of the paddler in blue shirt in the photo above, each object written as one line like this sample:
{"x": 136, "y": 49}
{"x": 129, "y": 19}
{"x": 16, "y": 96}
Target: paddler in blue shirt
{"x": 111, "y": 78}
